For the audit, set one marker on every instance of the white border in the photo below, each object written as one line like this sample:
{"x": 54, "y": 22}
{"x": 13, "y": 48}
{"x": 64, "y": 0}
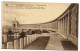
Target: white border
{"x": 48, "y": 1}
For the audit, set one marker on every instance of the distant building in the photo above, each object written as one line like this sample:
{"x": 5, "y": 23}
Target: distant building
{"x": 17, "y": 27}
{"x": 46, "y": 26}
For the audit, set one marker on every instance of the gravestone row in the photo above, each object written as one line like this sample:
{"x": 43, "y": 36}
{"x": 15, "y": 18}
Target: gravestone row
{"x": 19, "y": 43}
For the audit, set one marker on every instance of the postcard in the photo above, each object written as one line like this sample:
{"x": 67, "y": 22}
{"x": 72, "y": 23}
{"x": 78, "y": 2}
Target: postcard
{"x": 39, "y": 25}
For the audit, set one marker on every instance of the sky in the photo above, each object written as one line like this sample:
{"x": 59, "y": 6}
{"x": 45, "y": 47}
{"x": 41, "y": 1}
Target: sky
{"x": 46, "y": 12}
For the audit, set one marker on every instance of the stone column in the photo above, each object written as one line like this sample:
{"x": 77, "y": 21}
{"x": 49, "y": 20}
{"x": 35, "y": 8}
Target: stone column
{"x": 63, "y": 26}
{"x": 59, "y": 26}
{"x": 68, "y": 25}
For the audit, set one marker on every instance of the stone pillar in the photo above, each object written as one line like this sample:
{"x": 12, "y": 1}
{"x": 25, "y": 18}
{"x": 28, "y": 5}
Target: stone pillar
{"x": 63, "y": 26}
{"x": 68, "y": 25}
{"x": 58, "y": 26}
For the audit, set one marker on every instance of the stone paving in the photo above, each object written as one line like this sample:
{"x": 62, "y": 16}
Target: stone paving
{"x": 57, "y": 42}
{"x": 51, "y": 41}
{"x": 39, "y": 44}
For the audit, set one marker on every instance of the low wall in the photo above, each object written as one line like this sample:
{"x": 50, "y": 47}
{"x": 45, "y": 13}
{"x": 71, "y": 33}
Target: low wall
{"x": 73, "y": 39}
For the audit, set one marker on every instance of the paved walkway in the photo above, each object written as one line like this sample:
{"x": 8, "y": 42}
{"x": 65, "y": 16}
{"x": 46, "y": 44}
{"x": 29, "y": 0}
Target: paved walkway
{"x": 39, "y": 44}
{"x": 57, "y": 42}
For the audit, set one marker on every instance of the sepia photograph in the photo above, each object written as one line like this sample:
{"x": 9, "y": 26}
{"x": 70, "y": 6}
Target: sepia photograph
{"x": 39, "y": 25}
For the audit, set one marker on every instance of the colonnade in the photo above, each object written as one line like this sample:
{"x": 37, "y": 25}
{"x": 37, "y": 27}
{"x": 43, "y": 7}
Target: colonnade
{"x": 63, "y": 25}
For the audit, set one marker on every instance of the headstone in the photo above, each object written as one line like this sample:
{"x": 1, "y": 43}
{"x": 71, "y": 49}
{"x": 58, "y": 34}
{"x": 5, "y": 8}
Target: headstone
{"x": 15, "y": 36}
{"x": 3, "y": 47}
{"x": 25, "y": 41}
{"x": 32, "y": 37}
{"x": 11, "y": 45}
{"x": 16, "y": 46}
{"x": 8, "y": 45}
{"x": 28, "y": 40}
{"x": 35, "y": 36}
{"x": 5, "y": 38}
{"x": 21, "y": 43}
